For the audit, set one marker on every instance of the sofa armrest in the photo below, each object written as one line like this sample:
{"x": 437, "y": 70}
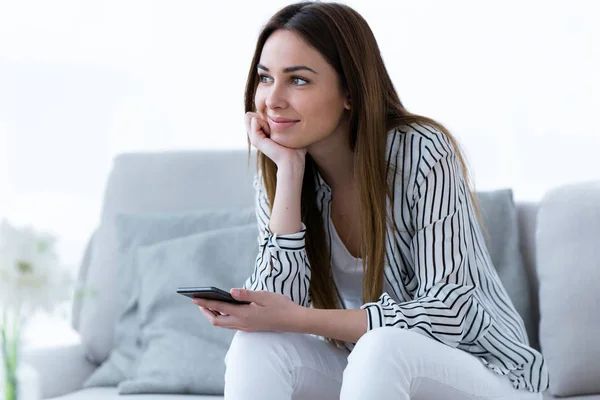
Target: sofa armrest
{"x": 62, "y": 369}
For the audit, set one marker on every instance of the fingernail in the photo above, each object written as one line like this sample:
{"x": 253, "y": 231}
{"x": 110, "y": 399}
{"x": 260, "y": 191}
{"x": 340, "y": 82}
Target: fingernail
{"x": 235, "y": 292}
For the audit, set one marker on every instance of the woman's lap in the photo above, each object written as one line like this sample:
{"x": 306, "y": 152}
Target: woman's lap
{"x": 386, "y": 362}
{"x": 291, "y": 365}
{"x": 413, "y": 363}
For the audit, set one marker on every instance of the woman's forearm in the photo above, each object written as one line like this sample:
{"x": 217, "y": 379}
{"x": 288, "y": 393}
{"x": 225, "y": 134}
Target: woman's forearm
{"x": 345, "y": 325}
{"x": 285, "y": 214}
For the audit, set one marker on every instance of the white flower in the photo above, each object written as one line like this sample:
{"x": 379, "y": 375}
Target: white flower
{"x": 30, "y": 275}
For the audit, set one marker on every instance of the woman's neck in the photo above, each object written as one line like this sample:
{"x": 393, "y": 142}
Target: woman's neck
{"x": 334, "y": 159}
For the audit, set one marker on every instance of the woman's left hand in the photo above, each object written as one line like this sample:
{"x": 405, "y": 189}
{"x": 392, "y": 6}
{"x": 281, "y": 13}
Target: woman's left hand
{"x": 267, "y": 311}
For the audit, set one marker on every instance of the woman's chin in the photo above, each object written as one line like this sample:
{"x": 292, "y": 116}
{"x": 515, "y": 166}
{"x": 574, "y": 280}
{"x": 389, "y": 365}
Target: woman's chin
{"x": 285, "y": 140}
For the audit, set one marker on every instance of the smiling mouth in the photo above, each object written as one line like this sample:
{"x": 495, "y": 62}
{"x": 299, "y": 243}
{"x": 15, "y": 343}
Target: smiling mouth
{"x": 281, "y": 125}
{"x": 282, "y": 120}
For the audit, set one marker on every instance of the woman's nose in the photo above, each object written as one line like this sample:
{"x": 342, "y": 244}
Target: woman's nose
{"x": 276, "y": 97}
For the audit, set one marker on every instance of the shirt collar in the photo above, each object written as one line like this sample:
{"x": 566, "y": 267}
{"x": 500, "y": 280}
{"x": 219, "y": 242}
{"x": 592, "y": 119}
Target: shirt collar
{"x": 319, "y": 181}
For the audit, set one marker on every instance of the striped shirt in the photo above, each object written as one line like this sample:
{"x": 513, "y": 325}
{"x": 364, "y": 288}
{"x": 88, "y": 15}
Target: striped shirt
{"x": 439, "y": 279}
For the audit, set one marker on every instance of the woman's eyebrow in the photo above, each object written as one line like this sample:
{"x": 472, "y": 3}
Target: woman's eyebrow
{"x": 290, "y": 69}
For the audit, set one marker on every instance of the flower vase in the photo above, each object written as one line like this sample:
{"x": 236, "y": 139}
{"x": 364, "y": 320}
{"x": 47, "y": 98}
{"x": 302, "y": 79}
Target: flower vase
{"x": 11, "y": 352}
{"x": 31, "y": 279}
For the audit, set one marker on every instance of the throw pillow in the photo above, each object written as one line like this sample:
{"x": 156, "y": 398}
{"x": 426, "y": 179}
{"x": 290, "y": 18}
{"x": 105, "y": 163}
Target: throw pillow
{"x": 500, "y": 218}
{"x": 135, "y": 230}
{"x": 568, "y": 265}
{"x": 183, "y": 352}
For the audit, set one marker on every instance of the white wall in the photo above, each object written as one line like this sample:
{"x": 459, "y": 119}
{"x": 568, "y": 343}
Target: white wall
{"x": 516, "y": 81}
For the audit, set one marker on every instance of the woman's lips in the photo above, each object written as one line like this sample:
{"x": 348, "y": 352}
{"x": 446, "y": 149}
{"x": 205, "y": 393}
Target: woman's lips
{"x": 281, "y": 125}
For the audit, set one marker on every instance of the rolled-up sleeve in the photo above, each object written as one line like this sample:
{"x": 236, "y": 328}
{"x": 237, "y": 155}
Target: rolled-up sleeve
{"x": 440, "y": 250}
{"x": 281, "y": 264}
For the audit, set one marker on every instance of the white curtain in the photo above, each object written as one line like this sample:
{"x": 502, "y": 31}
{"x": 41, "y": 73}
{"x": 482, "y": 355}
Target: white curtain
{"x": 516, "y": 81}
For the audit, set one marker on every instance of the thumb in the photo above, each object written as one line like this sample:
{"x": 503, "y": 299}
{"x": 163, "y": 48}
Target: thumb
{"x": 245, "y": 295}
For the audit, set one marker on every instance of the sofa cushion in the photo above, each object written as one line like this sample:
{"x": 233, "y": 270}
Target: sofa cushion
{"x": 548, "y": 396}
{"x": 527, "y": 220}
{"x": 500, "y": 219}
{"x": 133, "y": 231}
{"x": 153, "y": 182}
{"x": 568, "y": 262}
{"x": 183, "y": 352}
{"x": 112, "y": 393}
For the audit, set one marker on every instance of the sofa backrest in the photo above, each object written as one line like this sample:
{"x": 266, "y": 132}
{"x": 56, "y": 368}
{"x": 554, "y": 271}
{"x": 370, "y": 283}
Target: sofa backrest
{"x": 146, "y": 183}
{"x": 187, "y": 180}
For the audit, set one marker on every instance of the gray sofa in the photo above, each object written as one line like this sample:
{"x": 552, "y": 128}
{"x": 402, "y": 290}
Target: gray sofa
{"x": 556, "y": 240}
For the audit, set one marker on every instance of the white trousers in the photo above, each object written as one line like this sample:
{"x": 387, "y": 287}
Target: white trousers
{"x": 386, "y": 363}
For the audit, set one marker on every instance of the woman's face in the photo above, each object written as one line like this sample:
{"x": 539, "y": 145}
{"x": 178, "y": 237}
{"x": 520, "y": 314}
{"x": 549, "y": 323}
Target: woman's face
{"x": 309, "y": 94}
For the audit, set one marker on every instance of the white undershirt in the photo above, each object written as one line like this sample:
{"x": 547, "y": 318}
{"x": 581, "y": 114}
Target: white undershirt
{"x": 347, "y": 272}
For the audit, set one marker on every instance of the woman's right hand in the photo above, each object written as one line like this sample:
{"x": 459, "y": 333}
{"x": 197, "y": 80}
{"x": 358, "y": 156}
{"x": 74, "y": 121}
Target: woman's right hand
{"x": 259, "y": 131}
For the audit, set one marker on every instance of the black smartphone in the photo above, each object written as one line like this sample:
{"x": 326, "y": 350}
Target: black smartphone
{"x": 210, "y": 293}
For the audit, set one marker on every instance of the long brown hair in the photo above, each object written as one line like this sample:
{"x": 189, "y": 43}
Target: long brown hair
{"x": 346, "y": 41}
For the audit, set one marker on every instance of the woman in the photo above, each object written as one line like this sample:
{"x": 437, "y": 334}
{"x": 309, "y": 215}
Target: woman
{"x": 369, "y": 237}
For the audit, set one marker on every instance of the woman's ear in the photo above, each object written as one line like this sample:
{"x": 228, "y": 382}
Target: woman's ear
{"x": 347, "y": 103}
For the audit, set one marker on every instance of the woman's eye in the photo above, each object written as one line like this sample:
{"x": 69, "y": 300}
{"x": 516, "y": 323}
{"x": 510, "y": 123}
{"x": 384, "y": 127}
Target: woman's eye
{"x": 297, "y": 78}
{"x": 262, "y": 78}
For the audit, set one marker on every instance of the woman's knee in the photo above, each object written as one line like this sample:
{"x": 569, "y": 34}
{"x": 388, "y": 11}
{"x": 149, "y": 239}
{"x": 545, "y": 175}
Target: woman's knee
{"x": 245, "y": 345}
{"x": 378, "y": 344}
{"x": 254, "y": 347}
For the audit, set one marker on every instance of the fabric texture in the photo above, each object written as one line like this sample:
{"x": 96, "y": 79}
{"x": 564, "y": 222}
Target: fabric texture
{"x": 182, "y": 351}
{"x": 132, "y": 231}
{"x": 439, "y": 279}
{"x": 387, "y": 363}
{"x": 568, "y": 263}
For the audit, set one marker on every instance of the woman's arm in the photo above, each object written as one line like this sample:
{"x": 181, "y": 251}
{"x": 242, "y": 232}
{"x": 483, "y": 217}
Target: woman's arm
{"x": 443, "y": 251}
{"x": 285, "y": 216}
{"x": 282, "y": 263}
{"x": 346, "y": 325}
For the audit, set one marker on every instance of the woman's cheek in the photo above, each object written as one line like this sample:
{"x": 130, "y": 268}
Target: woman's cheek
{"x": 259, "y": 104}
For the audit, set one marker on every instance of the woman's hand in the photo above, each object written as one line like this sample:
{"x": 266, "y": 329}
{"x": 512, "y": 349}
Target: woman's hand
{"x": 259, "y": 134}
{"x": 267, "y": 311}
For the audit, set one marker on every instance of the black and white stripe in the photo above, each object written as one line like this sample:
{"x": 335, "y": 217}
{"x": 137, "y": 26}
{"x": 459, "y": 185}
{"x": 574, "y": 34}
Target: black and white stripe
{"x": 440, "y": 278}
